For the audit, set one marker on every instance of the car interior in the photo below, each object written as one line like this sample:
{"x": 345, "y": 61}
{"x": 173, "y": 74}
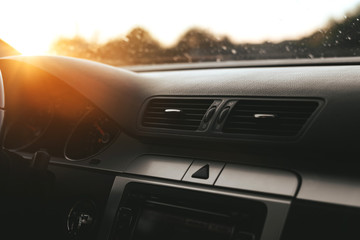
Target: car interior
{"x": 265, "y": 152}
{"x": 195, "y": 120}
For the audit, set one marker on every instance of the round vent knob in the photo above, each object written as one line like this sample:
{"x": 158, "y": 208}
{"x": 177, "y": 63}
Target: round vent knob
{"x": 81, "y": 220}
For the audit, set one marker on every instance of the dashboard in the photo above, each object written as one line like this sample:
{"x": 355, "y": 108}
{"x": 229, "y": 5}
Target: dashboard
{"x": 227, "y": 152}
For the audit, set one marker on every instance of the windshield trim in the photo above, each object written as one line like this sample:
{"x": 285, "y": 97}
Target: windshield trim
{"x": 245, "y": 64}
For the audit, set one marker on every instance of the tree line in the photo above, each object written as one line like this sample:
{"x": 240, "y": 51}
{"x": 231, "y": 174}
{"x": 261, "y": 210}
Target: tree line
{"x": 337, "y": 39}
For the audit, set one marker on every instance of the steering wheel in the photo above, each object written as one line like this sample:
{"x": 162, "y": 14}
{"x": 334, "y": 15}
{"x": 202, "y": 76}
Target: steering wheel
{"x": 24, "y": 184}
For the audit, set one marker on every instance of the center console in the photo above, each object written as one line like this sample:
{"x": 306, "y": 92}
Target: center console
{"x": 158, "y": 212}
{"x": 168, "y": 198}
{"x": 139, "y": 208}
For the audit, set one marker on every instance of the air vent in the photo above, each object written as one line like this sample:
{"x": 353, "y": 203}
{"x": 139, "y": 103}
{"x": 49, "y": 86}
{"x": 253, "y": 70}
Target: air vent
{"x": 179, "y": 114}
{"x": 269, "y": 117}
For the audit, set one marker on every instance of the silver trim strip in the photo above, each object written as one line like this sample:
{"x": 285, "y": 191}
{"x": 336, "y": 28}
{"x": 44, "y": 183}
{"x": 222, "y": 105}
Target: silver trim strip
{"x": 173, "y": 110}
{"x": 263, "y": 116}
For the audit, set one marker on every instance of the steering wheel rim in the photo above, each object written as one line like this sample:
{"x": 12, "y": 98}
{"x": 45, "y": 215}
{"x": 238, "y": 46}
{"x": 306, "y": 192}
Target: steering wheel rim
{"x": 2, "y": 109}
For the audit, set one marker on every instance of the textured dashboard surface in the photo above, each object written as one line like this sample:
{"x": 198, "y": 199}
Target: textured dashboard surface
{"x": 330, "y": 142}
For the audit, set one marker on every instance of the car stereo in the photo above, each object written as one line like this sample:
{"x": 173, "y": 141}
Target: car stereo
{"x": 159, "y": 212}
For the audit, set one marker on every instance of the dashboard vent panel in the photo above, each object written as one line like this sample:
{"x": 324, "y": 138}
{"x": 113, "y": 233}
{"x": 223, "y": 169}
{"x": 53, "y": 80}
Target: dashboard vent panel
{"x": 283, "y": 118}
{"x": 178, "y": 114}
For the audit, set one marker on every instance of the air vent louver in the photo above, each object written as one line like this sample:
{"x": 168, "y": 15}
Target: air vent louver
{"x": 179, "y": 114}
{"x": 273, "y": 117}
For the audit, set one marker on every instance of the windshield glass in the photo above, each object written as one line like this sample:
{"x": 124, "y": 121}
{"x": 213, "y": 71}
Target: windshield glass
{"x": 133, "y": 32}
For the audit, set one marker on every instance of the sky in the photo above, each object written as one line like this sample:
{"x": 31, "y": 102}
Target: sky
{"x": 32, "y": 26}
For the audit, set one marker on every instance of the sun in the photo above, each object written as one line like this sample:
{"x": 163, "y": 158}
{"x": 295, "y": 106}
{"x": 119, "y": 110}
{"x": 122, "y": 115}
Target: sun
{"x": 28, "y": 41}
{"x": 26, "y": 47}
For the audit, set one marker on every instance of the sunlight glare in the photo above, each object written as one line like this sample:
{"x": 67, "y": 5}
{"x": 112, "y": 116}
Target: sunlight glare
{"x": 30, "y": 48}
{"x": 31, "y": 27}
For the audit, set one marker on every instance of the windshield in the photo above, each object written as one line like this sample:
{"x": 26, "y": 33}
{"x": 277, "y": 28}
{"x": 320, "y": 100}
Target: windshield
{"x": 134, "y": 32}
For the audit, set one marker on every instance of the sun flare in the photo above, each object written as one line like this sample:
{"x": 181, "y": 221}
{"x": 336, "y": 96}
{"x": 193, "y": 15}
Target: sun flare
{"x": 31, "y": 48}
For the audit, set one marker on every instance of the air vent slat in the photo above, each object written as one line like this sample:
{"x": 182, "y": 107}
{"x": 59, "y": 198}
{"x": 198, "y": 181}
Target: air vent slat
{"x": 189, "y": 116}
{"x": 179, "y": 105}
{"x": 251, "y": 117}
{"x": 273, "y": 107}
{"x": 188, "y": 110}
{"x": 169, "y": 124}
{"x": 172, "y": 126}
{"x": 265, "y": 132}
{"x": 162, "y": 114}
{"x": 259, "y": 126}
{"x": 247, "y": 112}
{"x": 167, "y": 120}
{"x": 290, "y": 117}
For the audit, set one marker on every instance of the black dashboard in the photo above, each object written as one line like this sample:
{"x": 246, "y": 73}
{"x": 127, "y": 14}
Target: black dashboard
{"x": 259, "y": 152}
